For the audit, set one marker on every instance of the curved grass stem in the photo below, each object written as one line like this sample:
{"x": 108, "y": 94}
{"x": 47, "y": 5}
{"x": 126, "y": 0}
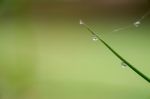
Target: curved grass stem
{"x": 116, "y": 54}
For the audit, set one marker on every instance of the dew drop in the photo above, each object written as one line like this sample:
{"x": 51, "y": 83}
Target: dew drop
{"x": 94, "y": 38}
{"x": 136, "y": 24}
{"x": 81, "y": 22}
{"x": 124, "y": 65}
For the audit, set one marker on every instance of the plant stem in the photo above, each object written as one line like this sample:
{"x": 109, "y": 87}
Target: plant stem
{"x": 116, "y": 54}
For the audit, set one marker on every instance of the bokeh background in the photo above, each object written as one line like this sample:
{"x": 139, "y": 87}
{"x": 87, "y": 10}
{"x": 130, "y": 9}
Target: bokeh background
{"x": 46, "y": 54}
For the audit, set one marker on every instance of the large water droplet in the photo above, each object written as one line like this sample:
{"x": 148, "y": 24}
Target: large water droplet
{"x": 123, "y": 64}
{"x": 136, "y": 24}
{"x": 94, "y": 38}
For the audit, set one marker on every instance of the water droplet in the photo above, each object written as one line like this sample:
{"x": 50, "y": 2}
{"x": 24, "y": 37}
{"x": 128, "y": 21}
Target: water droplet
{"x": 124, "y": 65}
{"x": 136, "y": 24}
{"x": 81, "y": 22}
{"x": 94, "y": 38}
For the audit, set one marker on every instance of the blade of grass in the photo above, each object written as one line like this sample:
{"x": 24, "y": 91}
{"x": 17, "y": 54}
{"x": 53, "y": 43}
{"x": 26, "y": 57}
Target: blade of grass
{"x": 116, "y": 54}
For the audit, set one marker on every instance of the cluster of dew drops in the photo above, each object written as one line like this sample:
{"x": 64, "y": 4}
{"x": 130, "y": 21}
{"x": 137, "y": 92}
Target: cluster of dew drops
{"x": 94, "y": 38}
{"x": 135, "y": 24}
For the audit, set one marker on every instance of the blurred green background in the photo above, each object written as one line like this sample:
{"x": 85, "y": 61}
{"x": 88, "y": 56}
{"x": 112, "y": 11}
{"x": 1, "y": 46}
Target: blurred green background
{"x": 46, "y": 54}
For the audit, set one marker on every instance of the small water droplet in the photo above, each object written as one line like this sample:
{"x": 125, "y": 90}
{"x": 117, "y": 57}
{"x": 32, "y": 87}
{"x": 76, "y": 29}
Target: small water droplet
{"x": 81, "y": 22}
{"x": 123, "y": 64}
{"x": 136, "y": 24}
{"x": 94, "y": 38}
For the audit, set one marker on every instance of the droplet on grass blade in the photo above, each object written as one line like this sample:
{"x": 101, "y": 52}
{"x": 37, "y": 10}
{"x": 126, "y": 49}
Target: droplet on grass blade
{"x": 94, "y": 38}
{"x": 81, "y": 22}
{"x": 136, "y": 24}
{"x": 123, "y": 64}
